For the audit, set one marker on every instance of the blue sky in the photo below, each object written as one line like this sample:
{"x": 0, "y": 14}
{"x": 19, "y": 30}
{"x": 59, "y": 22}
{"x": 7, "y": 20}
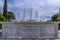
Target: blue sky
{"x": 45, "y": 8}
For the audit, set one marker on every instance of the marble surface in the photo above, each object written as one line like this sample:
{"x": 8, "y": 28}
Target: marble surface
{"x": 54, "y": 39}
{"x": 29, "y": 31}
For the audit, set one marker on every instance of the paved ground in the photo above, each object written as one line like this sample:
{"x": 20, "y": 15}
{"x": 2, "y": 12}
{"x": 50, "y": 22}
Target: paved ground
{"x": 58, "y": 35}
{"x": 55, "y": 39}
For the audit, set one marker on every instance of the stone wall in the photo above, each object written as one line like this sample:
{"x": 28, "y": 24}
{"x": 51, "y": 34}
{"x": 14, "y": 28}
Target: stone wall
{"x": 29, "y": 30}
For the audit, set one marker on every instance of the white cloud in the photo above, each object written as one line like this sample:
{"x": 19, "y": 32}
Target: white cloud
{"x": 53, "y": 2}
{"x": 44, "y": 7}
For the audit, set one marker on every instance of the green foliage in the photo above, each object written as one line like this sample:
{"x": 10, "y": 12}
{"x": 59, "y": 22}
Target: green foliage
{"x": 2, "y": 18}
{"x": 56, "y": 17}
{"x": 11, "y": 16}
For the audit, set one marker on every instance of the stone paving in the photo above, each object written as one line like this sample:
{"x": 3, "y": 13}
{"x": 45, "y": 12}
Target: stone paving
{"x": 55, "y": 39}
{"x": 58, "y": 35}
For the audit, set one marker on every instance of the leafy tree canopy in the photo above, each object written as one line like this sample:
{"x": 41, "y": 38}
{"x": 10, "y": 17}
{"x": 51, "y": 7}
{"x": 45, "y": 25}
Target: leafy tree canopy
{"x": 56, "y": 17}
{"x": 10, "y": 16}
{"x": 2, "y": 18}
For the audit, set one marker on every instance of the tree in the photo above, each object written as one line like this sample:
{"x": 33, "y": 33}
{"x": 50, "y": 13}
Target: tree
{"x": 56, "y": 17}
{"x": 2, "y": 18}
{"x": 10, "y": 16}
{"x": 5, "y": 9}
